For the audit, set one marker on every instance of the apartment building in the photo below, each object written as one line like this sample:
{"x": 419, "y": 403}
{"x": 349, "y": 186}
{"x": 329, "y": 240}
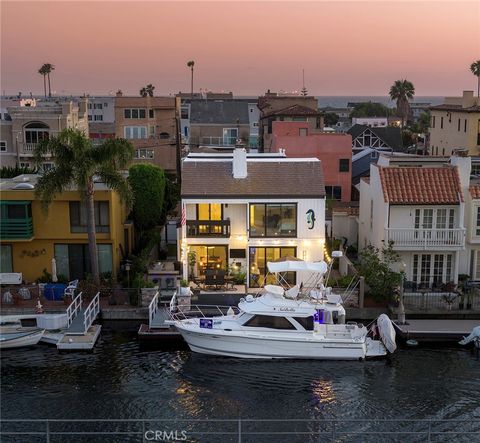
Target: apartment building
{"x": 101, "y": 118}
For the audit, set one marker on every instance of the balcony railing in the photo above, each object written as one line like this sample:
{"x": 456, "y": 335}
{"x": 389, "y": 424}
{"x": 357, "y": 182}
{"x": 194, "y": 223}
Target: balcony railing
{"x": 29, "y": 147}
{"x": 411, "y": 238}
{"x": 16, "y": 229}
{"x": 208, "y": 228}
{"x": 214, "y": 141}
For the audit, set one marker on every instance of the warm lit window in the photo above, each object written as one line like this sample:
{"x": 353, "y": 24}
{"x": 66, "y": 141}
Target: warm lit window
{"x": 207, "y": 211}
{"x": 273, "y": 220}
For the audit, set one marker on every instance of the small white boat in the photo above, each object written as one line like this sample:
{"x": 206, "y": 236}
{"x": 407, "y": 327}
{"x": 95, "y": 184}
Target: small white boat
{"x": 286, "y": 324}
{"x": 14, "y": 335}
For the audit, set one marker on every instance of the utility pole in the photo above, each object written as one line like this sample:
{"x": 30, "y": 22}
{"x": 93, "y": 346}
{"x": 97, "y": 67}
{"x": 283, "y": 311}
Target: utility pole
{"x": 178, "y": 146}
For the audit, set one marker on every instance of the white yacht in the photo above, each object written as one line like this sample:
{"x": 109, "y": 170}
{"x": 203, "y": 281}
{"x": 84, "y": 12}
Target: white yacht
{"x": 293, "y": 323}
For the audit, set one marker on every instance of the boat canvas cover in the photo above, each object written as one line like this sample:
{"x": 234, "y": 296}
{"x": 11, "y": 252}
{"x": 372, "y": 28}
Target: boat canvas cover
{"x": 295, "y": 266}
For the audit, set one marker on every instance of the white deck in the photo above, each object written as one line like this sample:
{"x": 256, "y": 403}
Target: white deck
{"x": 83, "y": 342}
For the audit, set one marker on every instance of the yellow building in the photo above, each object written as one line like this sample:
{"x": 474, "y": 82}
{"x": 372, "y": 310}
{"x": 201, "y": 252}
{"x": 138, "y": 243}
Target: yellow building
{"x": 456, "y": 124}
{"x": 30, "y": 238}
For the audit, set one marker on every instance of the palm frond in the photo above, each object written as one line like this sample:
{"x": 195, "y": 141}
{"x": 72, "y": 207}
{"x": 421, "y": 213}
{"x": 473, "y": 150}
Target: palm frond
{"x": 52, "y": 183}
{"x": 117, "y": 152}
{"x": 117, "y": 182}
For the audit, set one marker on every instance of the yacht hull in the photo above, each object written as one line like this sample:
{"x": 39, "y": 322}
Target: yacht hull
{"x": 250, "y": 346}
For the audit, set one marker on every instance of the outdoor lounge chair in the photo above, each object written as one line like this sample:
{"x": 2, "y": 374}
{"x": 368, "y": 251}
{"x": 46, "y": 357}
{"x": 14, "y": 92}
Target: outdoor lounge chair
{"x": 220, "y": 279}
{"x": 209, "y": 278}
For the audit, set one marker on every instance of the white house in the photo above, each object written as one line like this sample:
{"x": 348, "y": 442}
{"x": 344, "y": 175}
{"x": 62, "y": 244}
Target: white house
{"x": 419, "y": 204}
{"x": 242, "y": 210}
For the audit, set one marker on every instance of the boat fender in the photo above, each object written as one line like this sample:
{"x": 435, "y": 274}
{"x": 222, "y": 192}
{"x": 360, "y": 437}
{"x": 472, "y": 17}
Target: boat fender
{"x": 386, "y": 332}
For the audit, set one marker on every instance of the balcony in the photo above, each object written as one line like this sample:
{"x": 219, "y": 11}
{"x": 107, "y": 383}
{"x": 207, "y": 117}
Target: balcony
{"x": 214, "y": 141}
{"x": 28, "y": 148}
{"x": 16, "y": 229}
{"x": 424, "y": 239}
{"x": 208, "y": 228}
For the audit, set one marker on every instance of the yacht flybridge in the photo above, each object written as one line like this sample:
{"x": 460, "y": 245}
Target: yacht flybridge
{"x": 300, "y": 322}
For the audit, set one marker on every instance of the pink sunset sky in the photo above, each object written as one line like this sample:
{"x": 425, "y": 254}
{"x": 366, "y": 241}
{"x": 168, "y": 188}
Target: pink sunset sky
{"x": 346, "y": 48}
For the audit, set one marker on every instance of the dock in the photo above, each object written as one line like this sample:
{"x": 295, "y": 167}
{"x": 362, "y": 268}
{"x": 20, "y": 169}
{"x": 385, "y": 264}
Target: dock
{"x": 81, "y": 334}
{"x": 435, "y": 331}
{"x": 157, "y": 330}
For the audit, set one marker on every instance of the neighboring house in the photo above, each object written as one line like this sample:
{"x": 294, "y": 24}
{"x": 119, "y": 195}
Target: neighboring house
{"x": 420, "y": 206}
{"x": 219, "y": 123}
{"x": 455, "y": 124}
{"x": 334, "y": 151}
{"x": 373, "y": 122}
{"x": 254, "y": 119}
{"x": 418, "y": 108}
{"x": 345, "y": 222}
{"x": 30, "y": 238}
{"x": 149, "y": 123}
{"x": 243, "y": 210}
{"x": 32, "y": 121}
{"x": 276, "y": 107}
{"x": 101, "y": 118}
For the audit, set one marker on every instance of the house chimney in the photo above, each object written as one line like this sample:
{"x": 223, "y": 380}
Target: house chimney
{"x": 239, "y": 163}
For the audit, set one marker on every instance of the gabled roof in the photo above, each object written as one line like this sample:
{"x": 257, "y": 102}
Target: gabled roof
{"x": 475, "y": 191}
{"x": 421, "y": 186}
{"x": 265, "y": 179}
{"x": 219, "y": 112}
{"x": 391, "y": 135}
{"x": 293, "y": 110}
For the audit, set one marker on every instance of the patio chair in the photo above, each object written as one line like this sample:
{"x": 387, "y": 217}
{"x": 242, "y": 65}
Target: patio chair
{"x": 210, "y": 279}
{"x": 70, "y": 289}
{"x": 220, "y": 279}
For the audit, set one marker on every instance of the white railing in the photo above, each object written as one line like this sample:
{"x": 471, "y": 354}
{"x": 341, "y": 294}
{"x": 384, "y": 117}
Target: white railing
{"x": 153, "y": 307}
{"x": 29, "y": 147}
{"x": 73, "y": 309}
{"x": 425, "y": 238}
{"x": 195, "y": 311}
{"x": 218, "y": 141}
{"x": 91, "y": 312}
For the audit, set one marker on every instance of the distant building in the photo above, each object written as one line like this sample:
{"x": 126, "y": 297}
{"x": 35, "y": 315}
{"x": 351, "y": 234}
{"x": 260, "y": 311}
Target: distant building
{"x": 30, "y": 121}
{"x": 277, "y": 107}
{"x": 374, "y": 122}
{"x": 149, "y": 123}
{"x": 334, "y": 151}
{"x": 418, "y": 108}
{"x": 101, "y": 118}
{"x": 455, "y": 124}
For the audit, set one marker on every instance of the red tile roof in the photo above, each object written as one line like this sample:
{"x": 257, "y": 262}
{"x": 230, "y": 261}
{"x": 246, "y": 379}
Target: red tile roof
{"x": 422, "y": 186}
{"x": 475, "y": 191}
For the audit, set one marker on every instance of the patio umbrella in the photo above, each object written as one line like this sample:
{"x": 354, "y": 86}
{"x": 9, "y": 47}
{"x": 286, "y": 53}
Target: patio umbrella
{"x": 54, "y": 271}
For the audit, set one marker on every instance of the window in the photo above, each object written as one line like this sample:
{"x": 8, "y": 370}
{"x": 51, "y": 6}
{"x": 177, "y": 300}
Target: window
{"x": 305, "y": 322}
{"x": 134, "y": 113}
{"x": 89, "y": 118}
{"x": 230, "y": 136}
{"x": 151, "y": 113}
{"x": 97, "y": 106}
{"x": 36, "y": 132}
{"x": 206, "y": 211}
{"x": 258, "y": 271}
{"x": 144, "y": 153}
{"x": 255, "y": 124}
{"x": 267, "y": 321}
{"x": 99, "y": 118}
{"x": 465, "y": 126}
{"x": 90, "y": 106}
{"x": 302, "y": 132}
{"x": 6, "y": 258}
{"x": 73, "y": 260}
{"x": 273, "y": 220}
{"x": 78, "y": 217}
{"x": 135, "y": 132}
{"x": 164, "y": 135}
{"x": 3, "y": 146}
{"x": 458, "y": 126}
{"x": 477, "y": 230}
{"x": 333, "y": 192}
{"x": 438, "y": 268}
{"x": 433, "y": 121}
{"x": 374, "y": 154}
{"x": 184, "y": 113}
{"x": 441, "y": 122}
{"x": 151, "y": 130}
{"x": 15, "y": 211}
{"x": 429, "y": 269}
{"x": 344, "y": 165}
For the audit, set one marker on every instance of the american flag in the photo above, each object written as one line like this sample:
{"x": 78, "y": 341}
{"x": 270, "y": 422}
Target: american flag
{"x": 183, "y": 220}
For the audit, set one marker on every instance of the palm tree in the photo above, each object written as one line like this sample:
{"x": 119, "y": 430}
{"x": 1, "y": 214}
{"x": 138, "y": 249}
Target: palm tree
{"x": 43, "y": 71}
{"x": 143, "y": 92}
{"x": 475, "y": 68}
{"x": 77, "y": 162}
{"x": 48, "y": 68}
{"x": 150, "y": 88}
{"x": 191, "y": 64}
{"x": 402, "y": 91}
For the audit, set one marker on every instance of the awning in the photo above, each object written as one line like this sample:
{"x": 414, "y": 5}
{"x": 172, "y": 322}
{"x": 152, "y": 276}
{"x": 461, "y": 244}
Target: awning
{"x": 294, "y": 266}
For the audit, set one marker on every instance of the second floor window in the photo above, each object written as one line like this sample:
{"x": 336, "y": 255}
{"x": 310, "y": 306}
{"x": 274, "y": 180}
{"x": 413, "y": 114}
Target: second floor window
{"x": 344, "y": 165}
{"x": 477, "y": 225}
{"x": 78, "y": 217}
{"x": 273, "y": 220}
{"x": 211, "y": 211}
{"x": 135, "y": 132}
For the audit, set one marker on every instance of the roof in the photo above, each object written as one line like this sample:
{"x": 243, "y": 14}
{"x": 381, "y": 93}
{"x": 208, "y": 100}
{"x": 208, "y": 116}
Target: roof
{"x": 293, "y": 111}
{"x": 455, "y": 108}
{"x": 219, "y": 112}
{"x": 272, "y": 178}
{"x": 391, "y": 135}
{"x": 475, "y": 191}
{"x": 422, "y": 186}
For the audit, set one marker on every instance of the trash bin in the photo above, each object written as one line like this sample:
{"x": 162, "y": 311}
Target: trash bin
{"x": 54, "y": 291}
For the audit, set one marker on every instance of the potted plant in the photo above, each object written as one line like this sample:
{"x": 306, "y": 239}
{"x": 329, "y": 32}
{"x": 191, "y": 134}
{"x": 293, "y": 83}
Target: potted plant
{"x": 184, "y": 287}
{"x": 192, "y": 261}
